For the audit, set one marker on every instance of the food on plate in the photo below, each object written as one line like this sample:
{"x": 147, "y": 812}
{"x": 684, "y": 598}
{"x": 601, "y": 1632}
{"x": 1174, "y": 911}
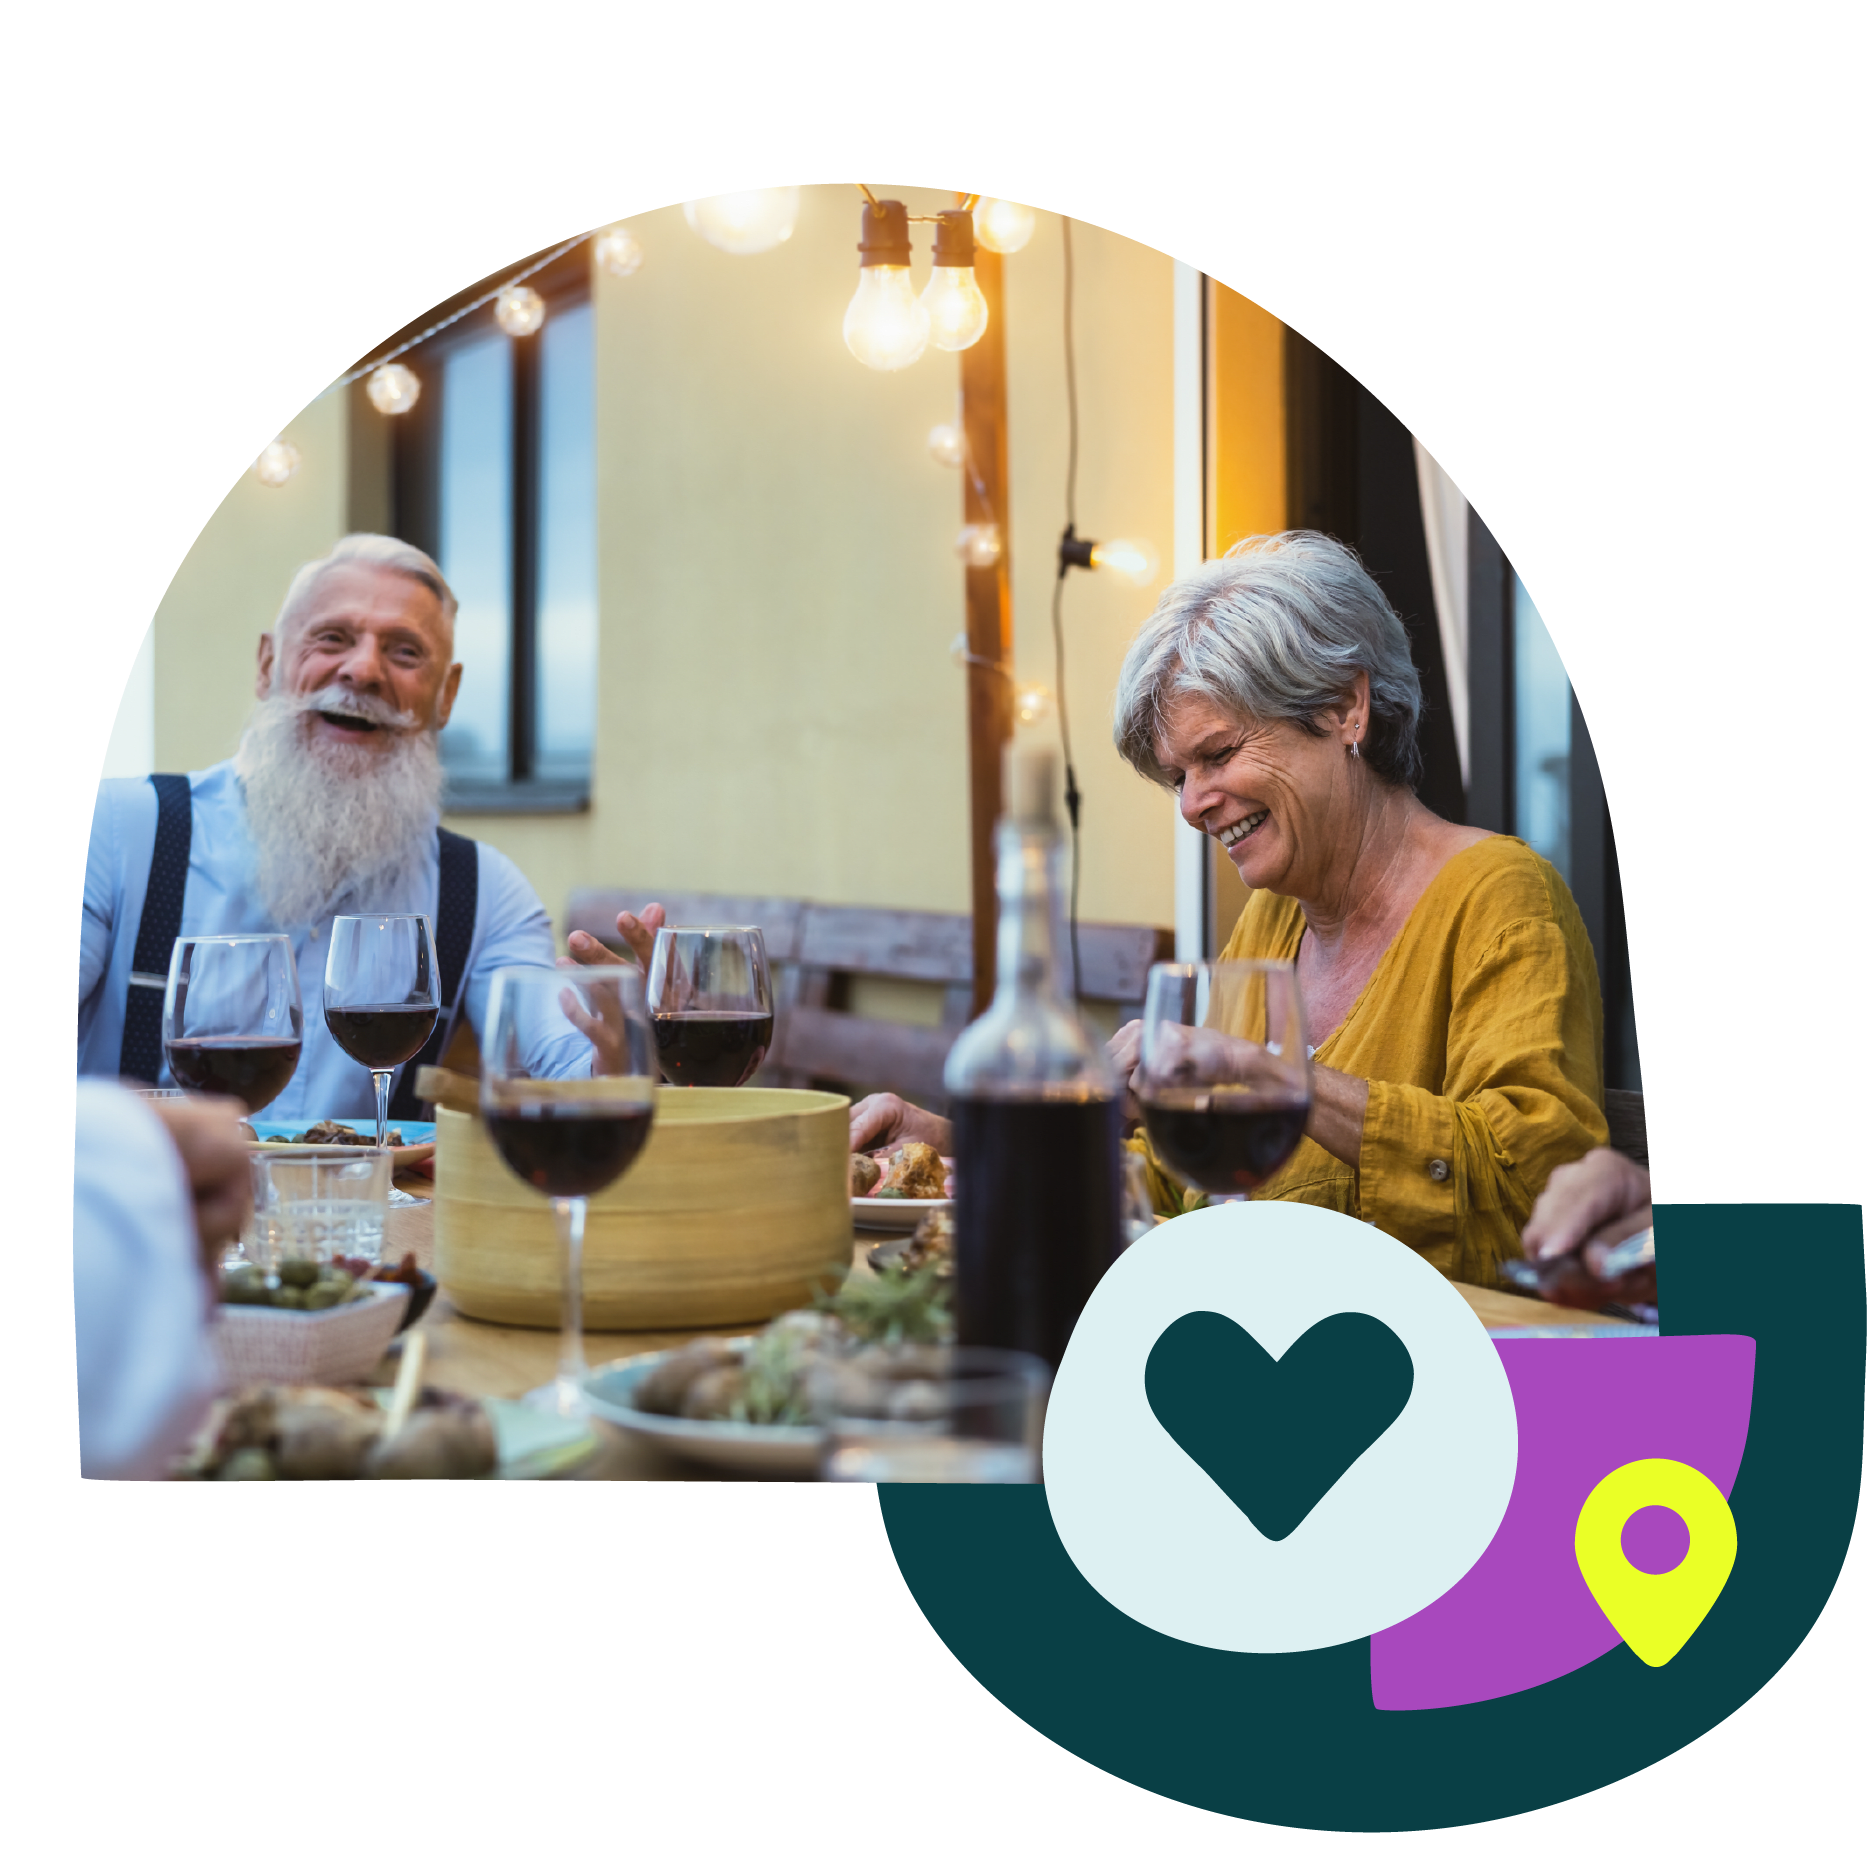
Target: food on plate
{"x": 330, "y": 1432}
{"x": 866, "y": 1173}
{"x": 331, "y": 1133}
{"x": 300, "y": 1284}
{"x": 777, "y": 1378}
{"x": 933, "y": 1245}
{"x": 913, "y": 1171}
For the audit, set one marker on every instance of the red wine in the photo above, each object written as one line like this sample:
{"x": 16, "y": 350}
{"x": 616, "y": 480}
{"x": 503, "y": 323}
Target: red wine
{"x": 1037, "y": 1217}
{"x": 710, "y": 1048}
{"x": 381, "y": 1035}
{"x": 569, "y": 1151}
{"x": 253, "y": 1068}
{"x": 1217, "y": 1142}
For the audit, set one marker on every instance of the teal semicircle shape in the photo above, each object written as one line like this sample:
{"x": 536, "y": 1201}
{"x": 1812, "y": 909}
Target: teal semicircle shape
{"x": 1295, "y": 1738}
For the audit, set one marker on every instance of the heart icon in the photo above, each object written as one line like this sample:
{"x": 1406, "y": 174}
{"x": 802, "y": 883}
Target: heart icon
{"x": 1276, "y": 1436}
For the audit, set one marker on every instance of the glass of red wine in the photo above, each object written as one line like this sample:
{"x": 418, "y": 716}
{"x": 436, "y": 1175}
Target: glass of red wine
{"x": 1224, "y": 1078}
{"x": 381, "y": 993}
{"x": 711, "y": 1005}
{"x": 569, "y": 1072}
{"x": 231, "y": 1017}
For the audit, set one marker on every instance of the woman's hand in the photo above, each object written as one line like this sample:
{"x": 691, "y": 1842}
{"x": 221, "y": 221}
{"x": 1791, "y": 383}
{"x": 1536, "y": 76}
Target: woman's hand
{"x": 1604, "y": 1196}
{"x": 886, "y": 1120}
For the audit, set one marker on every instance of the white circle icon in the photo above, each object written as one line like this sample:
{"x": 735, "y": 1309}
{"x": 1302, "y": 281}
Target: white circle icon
{"x": 1276, "y": 1428}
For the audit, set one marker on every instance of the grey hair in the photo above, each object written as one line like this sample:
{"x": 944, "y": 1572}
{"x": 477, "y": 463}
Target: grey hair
{"x": 395, "y": 556}
{"x": 1275, "y": 631}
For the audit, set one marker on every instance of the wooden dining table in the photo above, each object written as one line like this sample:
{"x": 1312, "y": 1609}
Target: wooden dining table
{"x": 493, "y": 1359}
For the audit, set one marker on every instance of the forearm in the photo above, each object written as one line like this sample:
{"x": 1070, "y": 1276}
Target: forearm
{"x": 1338, "y": 1113}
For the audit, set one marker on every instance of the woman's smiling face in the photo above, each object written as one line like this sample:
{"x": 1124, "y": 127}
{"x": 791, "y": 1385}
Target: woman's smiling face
{"x": 1280, "y": 801}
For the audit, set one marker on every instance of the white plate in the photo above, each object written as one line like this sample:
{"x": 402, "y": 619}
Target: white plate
{"x": 775, "y": 1452}
{"x": 896, "y": 1213}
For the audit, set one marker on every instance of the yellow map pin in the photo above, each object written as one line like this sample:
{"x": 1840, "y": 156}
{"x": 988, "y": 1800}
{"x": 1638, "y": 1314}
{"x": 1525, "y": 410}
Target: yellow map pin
{"x": 1656, "y": 1614}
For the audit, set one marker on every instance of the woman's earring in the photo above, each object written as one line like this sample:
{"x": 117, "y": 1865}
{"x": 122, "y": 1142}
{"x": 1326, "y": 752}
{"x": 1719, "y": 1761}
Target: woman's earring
{"x": 1354, "y": 747}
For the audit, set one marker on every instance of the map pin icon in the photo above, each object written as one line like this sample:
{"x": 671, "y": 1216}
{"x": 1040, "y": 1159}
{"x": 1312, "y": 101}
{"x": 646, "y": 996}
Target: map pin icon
{"x": 1656, "y": 1614}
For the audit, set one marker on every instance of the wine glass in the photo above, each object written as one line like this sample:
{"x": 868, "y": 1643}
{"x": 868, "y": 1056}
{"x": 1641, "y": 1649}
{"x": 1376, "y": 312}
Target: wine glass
{"x": 568, "y": 1076}
{"x": 381, "y": 993}
{"x": 232, "y": 1022}
{"x": 1224, "y": 1077}
{"x": 711, "y": 1005}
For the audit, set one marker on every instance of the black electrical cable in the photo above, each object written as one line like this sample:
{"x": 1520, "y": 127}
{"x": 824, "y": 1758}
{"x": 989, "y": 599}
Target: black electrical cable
{"x": 1073, "y": 793}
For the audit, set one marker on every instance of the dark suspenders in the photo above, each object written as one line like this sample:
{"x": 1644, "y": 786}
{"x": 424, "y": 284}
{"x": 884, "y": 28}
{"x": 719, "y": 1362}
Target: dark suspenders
{"x": 141, "y": 1058}
{"x": 456, "y": 873}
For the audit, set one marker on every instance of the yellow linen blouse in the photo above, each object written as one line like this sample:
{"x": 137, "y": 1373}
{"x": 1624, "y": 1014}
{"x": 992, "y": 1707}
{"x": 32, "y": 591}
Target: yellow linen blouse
{"x": 1479, "y": 1035}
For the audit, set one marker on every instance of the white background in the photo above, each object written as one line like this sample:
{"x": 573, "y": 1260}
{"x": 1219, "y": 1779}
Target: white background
{"x": 1608, "y": 262}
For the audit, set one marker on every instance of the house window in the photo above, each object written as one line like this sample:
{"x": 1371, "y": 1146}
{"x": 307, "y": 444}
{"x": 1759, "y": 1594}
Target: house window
{"x": 1541, "y": 735}
{"x": 497, "y": 478}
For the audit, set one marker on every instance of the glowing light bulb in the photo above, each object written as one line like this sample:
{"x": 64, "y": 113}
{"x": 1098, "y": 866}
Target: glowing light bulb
{"x": 980, "y": 544}
{"x": 1033, "y": 702}
{"x": 959, "y": 312}
{"x": 1135, "y": 561}
{"x": 751, "y": 221}
{"x": 946, "y": 444}
{"x": 618, "y": 252}
{"x": 276, "y": 463}
{"x": 519, "y": 311}
{"x": 885, "y": 326}
{"x": 1004, "y": 227}
{"x": 394, "y": 389}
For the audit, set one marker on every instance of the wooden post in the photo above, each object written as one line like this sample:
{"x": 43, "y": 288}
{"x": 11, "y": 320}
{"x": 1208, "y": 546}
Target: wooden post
{"x": 986, "y": 617}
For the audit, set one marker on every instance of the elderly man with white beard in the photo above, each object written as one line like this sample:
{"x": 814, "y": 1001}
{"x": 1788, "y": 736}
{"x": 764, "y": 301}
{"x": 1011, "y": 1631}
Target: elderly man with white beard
{"x": 331, "y": 804}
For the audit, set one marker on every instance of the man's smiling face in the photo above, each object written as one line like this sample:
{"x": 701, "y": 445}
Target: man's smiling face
{"x": 370, "y": 636}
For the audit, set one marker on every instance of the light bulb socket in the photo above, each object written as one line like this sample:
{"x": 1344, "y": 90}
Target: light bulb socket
{"x": 956, "y": 243}
{"x": 1073, "y": 551}
{"x": 884, "y": 235}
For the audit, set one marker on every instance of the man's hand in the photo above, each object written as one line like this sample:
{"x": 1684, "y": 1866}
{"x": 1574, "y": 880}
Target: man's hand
{"x": 886, "y": 1120}
{"x": 1604, "y": 1196}
{"x": 208, "y": 1138}
{"x": 638, "y": 935}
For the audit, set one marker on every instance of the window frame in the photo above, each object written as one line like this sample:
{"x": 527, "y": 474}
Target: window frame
{"x": 415, "y": 508}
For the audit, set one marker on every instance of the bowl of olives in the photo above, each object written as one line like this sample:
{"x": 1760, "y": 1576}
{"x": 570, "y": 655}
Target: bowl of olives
{"x": 304, "y": 1324}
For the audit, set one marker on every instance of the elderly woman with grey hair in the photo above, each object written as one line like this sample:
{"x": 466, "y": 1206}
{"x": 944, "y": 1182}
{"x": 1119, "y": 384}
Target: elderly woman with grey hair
{"x": 1450, "y": 990}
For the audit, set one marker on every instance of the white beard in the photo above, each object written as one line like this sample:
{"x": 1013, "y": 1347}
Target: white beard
{"x": 331, "y": 823}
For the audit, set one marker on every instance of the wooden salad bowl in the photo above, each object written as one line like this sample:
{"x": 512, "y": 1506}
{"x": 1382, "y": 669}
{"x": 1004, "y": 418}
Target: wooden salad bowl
{"x": 735, "y": 1209}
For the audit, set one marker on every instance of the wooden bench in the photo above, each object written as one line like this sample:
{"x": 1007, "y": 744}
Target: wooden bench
{"x": 816, "y": 952}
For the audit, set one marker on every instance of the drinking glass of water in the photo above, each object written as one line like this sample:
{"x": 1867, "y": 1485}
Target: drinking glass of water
{"x": 917, "y": 1415}
{"x": 318, "y": 1204}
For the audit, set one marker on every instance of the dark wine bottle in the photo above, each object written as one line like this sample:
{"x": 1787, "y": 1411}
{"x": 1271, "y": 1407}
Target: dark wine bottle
{"x": 1034, "y": 1108}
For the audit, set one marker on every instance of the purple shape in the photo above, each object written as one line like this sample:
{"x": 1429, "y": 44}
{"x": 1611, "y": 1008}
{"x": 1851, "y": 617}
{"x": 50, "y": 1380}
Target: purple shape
{"x": 1656, "y": 1539}
{"x": 1523, "y": 1615}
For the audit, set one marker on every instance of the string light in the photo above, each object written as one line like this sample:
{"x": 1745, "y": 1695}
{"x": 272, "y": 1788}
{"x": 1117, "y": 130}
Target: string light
{"x": 885, "y": 326}
{"x": 946, "y": 444}
{"x": 394, "y": 389}
{"x": 618, "y": 252}
{"x": 980, "y": 544}
{"x": 276, "y": 463}
{"x": 1033, "y": 702}
{"x": 959, "y": 312}
{"x": 1135, "y": 561}
{"x": 519, "y": 311}
{"x": 1004, "y": 227}
{"x": 750, "y": 221}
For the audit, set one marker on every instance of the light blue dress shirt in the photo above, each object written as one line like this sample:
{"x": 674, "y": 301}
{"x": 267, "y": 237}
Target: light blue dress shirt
{"x": 511, "y": 927}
